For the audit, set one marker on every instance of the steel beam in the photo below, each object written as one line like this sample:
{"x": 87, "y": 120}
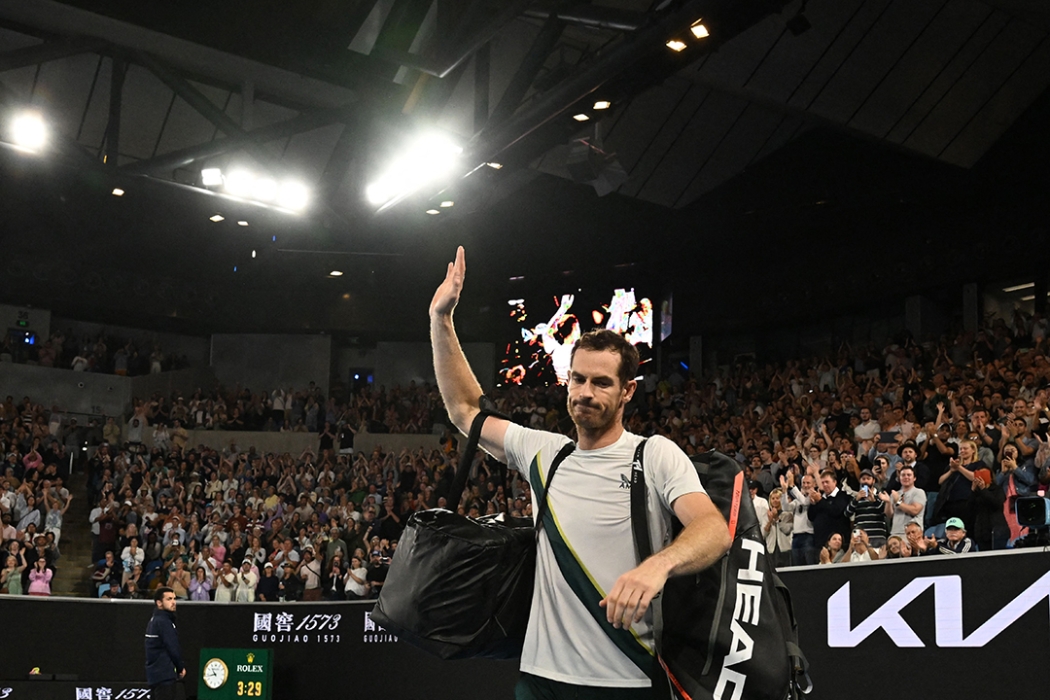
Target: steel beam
{"x": 527, "y": 71}
{"x": 206, "y": 108}
{"x": 594, "y": 16}
{"x": 439, "y": 66}
{"x": 116, "y": 93}
{"x": 272, "y": 132}
{"x": 48, "y": 51}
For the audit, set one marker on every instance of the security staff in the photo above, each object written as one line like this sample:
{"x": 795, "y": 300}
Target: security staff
{"x": 163, "y": 659}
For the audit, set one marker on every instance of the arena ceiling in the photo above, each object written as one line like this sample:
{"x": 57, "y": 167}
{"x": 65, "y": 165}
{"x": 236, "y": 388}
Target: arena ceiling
{"x": 803, "y": 159}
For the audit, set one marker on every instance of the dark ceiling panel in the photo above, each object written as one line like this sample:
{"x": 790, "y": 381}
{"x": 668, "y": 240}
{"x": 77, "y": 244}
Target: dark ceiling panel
{"x": 986, "y": 33}
{"x": 920, "y": 66}
{"x": 692, "y": 98}
{"x": 1022, "y": 88}
{"x": 145, "y": 103}
{"x": 692, "y": 148}
{"x": 794, "y": 56}
{"x": 788, "y": 128}
{"x": 843, "y": 46}
{"x": 737, "y": 149}
{"x": 643, "y": 120}
{"x": 978, "y": 84}
{"x": 735, "y": 61}
{"x": 874, "y": 57}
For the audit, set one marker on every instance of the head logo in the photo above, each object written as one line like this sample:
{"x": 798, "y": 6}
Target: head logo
{"x": 947, "y": 610}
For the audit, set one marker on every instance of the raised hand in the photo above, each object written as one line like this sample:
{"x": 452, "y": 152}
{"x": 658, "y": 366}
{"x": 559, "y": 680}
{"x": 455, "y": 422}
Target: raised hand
{"x": 447, "y": 295}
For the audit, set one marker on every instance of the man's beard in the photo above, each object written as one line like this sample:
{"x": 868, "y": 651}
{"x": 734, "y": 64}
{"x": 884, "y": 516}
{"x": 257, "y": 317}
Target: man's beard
{"x": 593, "y": 419}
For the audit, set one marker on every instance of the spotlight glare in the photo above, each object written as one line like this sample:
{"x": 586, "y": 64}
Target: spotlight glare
{"x": 211, "y": 177}
{"x": 602, "y": 104}
{"x": 447, "y": 203}
{"x": 28, "y": 131}
{"x": 494, "y": 165}
{"x": 1019, "y": 287}
{"x": 242, "y": 223}
{"x": 580, "y": 117}
{"x": 253, "y": 255}
{"x": 264, "y": 190}
{"x": 217, "y": 218}
{"x": 433, "y": 211}
{"x": 240, "y": 183}
{"x": 427, "y": 159}
{"x": 117, "y": 192}
{"x": 676, "y": 45}
{"x": 699, "y": 30}
{"x": 335, "y": 273}
{"x": 293, "y": 195}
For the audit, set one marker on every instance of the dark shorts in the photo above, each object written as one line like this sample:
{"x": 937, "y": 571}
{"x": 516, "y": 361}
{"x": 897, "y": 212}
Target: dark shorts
{"x": 532, "y": 687}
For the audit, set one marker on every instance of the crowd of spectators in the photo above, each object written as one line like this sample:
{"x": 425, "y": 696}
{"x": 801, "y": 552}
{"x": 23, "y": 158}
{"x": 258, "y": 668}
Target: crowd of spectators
{"x": 912, "y": 449}
{"x": 33, "y": 497}
{"x": 102, "y": 353}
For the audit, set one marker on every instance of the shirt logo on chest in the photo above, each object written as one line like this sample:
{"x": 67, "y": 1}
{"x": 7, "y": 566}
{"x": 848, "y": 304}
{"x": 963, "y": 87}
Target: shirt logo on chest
{"x": 625, "y": 483}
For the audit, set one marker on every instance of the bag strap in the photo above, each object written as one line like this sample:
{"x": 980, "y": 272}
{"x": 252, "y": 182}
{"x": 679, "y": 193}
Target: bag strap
{"x": 643, "y": 544}
{"x": 566, "y": 450}
{"x": 488, "y": 408}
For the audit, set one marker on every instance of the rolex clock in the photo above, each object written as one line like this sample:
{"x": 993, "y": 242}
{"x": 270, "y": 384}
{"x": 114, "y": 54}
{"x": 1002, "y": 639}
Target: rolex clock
{"x": 233, "y": 674}
{"x": 215, "y": 673}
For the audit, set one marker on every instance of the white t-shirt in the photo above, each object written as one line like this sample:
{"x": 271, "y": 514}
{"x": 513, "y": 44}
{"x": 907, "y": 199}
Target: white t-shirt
{"x": 590, "y": 502}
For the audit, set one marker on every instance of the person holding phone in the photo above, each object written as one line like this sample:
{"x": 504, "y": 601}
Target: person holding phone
{"x": 868, "y": 511}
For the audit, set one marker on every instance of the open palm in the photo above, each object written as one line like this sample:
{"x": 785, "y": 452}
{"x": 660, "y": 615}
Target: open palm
{"x": 447, "y": 295}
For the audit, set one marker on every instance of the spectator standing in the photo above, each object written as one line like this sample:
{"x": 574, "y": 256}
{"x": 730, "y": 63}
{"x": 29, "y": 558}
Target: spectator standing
{"x": 868, "y": 510}
{"x": 904, "y": 506}
{"x": 40, "y": 579}
{"x": 956, "y": 493}
{"x": 11, "y": 575}
{"x": 990, "y": 529}
{"x": 268, "y": 588}
{"x": 804, "y": 549}
{"x": 357, "y": 587}
{"x": 225, "y": 583}
{"x": 827, "y": 510}
{"x": 247, "y": 580}
{"x": 200, "y": 586}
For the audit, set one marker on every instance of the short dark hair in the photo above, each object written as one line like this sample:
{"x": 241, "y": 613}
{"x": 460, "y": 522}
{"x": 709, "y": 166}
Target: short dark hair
{"x": 905, "y": 466}
{"x": 600, "y": 340}
{"x": 829, "y": 472}
{"x": 159, "y": 595}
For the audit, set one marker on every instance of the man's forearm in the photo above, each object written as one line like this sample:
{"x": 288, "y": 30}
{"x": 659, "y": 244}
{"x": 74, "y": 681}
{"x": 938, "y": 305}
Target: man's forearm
{"x": 700, "y": 544}
{"x": 459, "y": 387}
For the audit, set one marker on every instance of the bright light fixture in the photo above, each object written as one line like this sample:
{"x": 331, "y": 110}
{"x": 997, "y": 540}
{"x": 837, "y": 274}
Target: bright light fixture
{"x": 335, "y": 273}
{"x": 676, "y": 45}
{"x": 240, "y": 183}
{"x": 580, "y": 117}
{"x": 447, "y": 203}
{"x": 494, "y": 165}
{"x": 1030, "y": 297}
{"x": 264, "y": 189}
{"x": 293, "y": 195}
{"x": 29, "y": 131}
{"x": 602, "y": 104}
{"x": 217, "y": 218}
{"x": 1019, "y": 287}
{"x": 433, "y": 211}
{"x": 211, "y": 177}
{"x": 425, "y": 160}
{"x": 699, "y": 30}
{"x": 117, "y": 192}
{"x": 253, "y": 255}
{"x": 242, "y": 223}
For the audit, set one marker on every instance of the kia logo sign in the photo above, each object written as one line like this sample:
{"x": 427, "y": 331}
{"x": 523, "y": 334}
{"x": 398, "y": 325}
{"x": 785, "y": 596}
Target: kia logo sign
{"x": 948, "y": 614}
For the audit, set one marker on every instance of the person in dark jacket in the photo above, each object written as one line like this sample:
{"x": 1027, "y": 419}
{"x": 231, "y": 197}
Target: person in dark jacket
{"x": 164, "y": 664}
{"x": 827, "y": 509}
{"x": 990, "y": 530}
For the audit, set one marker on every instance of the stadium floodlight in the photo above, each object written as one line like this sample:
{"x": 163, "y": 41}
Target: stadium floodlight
{"x": 211, "y": 177}
{"x": 676, "y": 45}
{"x": 293, "y": 195}
{"x": 240, "y": 183}
{"x": 425, "y": 160}
{"x": 28, "y": 131}
{"x": 217, "y": 218}
{"x": 117, "y": 192}
{"x": 602, "y": 104}
{"x": 264, "y": 189}
{"x": 699, "y": 30}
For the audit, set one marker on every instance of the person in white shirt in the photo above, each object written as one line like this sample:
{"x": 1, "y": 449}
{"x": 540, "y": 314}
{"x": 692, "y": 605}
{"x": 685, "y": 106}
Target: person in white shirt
{"x": 247, "y": 580}
{"x": 804, "y": 550}
{"x": 225, "y": 584}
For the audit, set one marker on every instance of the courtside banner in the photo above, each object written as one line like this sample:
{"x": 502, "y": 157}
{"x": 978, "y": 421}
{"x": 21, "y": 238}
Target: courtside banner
{"x": 969, "y": 626}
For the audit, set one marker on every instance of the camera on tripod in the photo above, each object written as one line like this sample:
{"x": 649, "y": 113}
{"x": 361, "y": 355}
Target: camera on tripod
{"x": 1033, "y": 512}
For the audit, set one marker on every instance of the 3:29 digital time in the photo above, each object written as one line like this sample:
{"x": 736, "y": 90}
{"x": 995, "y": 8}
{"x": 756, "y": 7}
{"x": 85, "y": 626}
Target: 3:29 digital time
{"x": 251, "y": 689}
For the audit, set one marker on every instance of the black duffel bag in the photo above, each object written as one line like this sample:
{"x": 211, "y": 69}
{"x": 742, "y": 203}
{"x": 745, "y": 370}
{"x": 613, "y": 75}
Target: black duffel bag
{"x": 461, "y": 587}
